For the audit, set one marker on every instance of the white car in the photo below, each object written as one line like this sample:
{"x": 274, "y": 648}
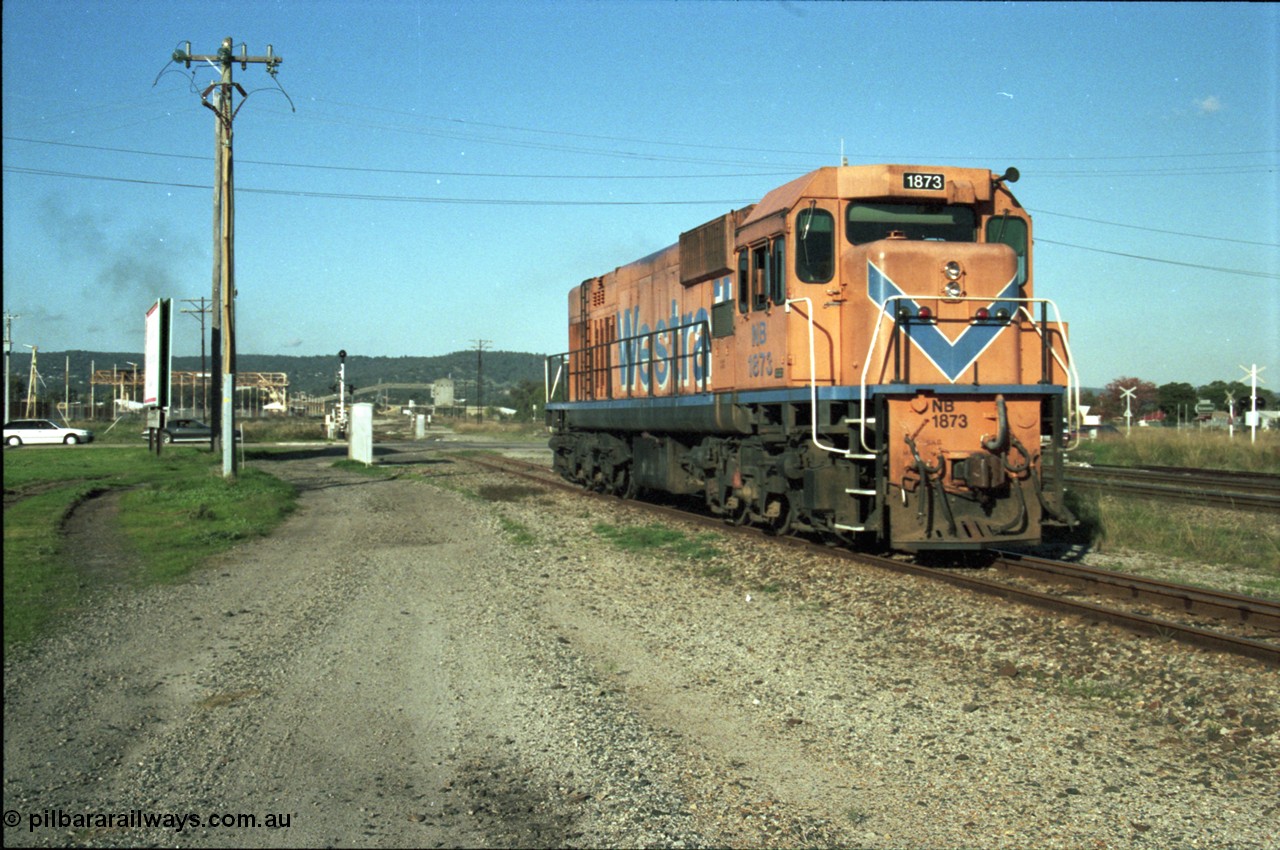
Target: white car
{"x": 23, "y": 431}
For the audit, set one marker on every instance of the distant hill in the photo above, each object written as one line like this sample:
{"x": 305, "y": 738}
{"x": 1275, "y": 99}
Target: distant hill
{"x": 312, "y": 375}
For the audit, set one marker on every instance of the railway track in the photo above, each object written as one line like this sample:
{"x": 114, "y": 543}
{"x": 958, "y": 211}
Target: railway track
{"x": 1254, "y": 491}
{"x": 1219, "y": 621}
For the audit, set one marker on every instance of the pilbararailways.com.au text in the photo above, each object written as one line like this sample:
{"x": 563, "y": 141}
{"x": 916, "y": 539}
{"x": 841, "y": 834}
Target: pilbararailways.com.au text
{"x": 139, "y": 819}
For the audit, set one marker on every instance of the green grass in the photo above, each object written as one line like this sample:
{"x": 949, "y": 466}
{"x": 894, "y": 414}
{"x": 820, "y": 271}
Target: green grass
{"x": 128, "y": 430}
{"x": 1247, "y": 544}
{"x": 175, "y": 512}
{"x": 519, "y": 533}
{"x": 660, "y": 539}
{"x": 1189, "y": 447}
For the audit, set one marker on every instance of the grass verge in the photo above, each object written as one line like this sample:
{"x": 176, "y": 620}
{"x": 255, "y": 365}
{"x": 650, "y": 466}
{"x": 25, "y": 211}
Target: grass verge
{"x": 1244, "y": 547}
{"x": 177, "y": 511}
{"x": 662, "y": 540}
{"x": 1192, "y": 448}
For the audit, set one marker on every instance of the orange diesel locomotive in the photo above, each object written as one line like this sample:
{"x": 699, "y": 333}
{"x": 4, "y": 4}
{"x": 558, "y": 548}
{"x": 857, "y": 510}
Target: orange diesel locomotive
{"x": 860, "y": 354}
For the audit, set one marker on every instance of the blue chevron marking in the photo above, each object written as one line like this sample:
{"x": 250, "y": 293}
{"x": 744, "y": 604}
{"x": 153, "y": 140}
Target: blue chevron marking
{"x": 951, "y": 358}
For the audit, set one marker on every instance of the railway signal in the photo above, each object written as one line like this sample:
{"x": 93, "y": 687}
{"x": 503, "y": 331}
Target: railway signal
{"x": 1128, "y": 411}
{"x": 1252, "y": 415}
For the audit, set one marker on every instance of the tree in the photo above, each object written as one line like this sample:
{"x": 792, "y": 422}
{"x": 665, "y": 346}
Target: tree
{"x": 1177, "y": 399}
{"x": 1217, "y": 392}
{"x": 524, "y": 396}
{"x": 1112, "y": 402}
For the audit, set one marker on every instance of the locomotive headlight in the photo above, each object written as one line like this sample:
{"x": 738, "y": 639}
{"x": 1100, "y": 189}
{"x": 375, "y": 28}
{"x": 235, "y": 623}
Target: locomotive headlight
{"x": 952, "y": 290}
{"x": 952, "y": 270}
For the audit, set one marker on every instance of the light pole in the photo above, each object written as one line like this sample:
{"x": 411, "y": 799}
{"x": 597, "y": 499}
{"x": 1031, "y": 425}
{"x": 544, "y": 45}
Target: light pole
{"x": 31, "y": 382}
{"x": 133, "y": 379}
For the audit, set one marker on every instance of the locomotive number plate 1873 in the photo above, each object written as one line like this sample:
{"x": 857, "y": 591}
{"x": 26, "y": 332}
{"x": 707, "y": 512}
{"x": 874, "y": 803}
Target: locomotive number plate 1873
{"x": 923, "y": 180}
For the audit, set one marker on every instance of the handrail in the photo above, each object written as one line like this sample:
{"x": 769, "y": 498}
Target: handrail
{"x": 813, "y": 380}
{"x": 548, "y": 386}
{"x": 1068, "y": 366}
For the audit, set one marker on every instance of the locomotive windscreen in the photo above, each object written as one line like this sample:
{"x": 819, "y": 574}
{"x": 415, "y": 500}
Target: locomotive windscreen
{"x": 944, "y": 223}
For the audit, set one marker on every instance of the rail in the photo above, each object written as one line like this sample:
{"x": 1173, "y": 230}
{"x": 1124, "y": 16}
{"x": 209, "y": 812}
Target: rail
{"x": 1258, "y": 615}
{"x": 1252, "y": 491}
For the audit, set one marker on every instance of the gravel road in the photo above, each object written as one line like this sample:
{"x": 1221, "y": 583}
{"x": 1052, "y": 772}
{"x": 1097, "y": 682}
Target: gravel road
{"x": 450, "y": 658}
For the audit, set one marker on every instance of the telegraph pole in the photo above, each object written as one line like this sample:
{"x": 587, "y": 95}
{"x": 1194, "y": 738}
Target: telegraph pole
{"x": 200, "y": 307}
{"x": 8, "y": 349}
{"x": 218, "y": 98}
{"x": 480, "y": 344}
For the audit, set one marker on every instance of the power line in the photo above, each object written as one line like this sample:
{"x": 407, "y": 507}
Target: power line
{"x": 422, "y": 172}
{"x": 823, "y": 154}
{"x": 1245, "y": 272}
{"x": 1262, "y": 168}
{"x": 535, "y": 202}
{"x": 1154, "y": 229}
{"x": 346, "y": 196}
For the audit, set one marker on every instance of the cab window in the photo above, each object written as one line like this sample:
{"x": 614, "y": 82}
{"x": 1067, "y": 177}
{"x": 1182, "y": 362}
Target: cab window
{"x": 778, "y": 272}
{"x": 815, "y": 245}
{"x": 1012, "y": 232}
{"x": 761, "y": 268}
{"x": 936, "y": 222}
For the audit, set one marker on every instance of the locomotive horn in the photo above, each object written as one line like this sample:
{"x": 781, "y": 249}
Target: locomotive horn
{"x": 1010, "y": 175}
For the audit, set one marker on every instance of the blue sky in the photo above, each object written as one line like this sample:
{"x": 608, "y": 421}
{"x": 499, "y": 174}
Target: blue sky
{"x": 452, "y": 169}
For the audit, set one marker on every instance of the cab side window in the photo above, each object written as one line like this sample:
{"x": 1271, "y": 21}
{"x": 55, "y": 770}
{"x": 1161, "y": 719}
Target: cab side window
{"x": 1012, "y": 232}
{"x": 778, "y": 272}
{"x": 814, "y": 245}
{"x": 761, "y": 269}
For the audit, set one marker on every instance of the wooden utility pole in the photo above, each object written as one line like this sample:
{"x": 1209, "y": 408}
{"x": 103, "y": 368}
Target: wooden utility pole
{"x": 200, "y": 307}
{"x": 218, "y": 98}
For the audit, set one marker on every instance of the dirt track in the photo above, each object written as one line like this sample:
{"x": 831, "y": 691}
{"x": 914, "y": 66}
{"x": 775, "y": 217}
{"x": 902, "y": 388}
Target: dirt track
{"x": 404, "y": 664}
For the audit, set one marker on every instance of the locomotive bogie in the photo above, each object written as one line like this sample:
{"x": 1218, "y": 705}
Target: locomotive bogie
{"x": 859, "y": 354}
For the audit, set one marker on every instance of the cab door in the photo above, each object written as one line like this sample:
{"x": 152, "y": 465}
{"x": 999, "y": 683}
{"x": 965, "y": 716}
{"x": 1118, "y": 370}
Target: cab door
{"x": 816, "y": 291}
{"x": 761, "y": 348}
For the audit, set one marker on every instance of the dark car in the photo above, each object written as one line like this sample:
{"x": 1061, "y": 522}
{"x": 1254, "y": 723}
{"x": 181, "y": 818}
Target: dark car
{"x": 184, "y": 431}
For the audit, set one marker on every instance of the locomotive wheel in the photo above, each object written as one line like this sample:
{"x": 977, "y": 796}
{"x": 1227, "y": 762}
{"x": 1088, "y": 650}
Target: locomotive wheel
{"x": 624, "y": 486}
{"x": 781, "y": 524}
